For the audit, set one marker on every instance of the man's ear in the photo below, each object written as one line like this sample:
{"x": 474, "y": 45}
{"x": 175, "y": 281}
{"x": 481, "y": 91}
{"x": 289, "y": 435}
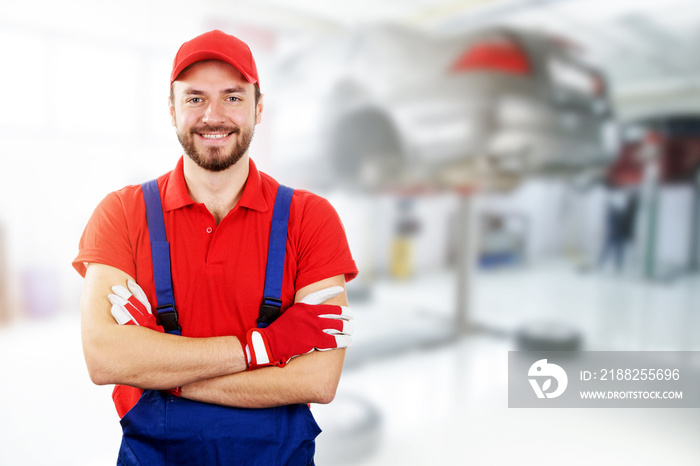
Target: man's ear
{"x": 171, "y": 107}
{"x": 258, "y": 110}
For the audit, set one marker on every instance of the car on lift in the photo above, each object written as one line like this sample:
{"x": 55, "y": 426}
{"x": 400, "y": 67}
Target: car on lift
{"x": 387, "y": 106}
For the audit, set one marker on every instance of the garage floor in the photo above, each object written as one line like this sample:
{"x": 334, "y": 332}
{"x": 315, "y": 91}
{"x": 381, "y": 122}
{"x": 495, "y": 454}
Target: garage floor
{"x": 407, "y": 397}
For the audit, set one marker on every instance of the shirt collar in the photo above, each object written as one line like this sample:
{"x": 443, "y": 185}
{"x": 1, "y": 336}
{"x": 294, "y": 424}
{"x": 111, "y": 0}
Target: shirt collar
{"x": 253, "y": 196}
{"x": 176, "y": 195}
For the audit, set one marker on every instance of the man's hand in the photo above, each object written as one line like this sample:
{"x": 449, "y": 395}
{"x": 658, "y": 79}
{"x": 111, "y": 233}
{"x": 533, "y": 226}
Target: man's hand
{"x": 304, "y": 327}
{"x": 131, "y": 307}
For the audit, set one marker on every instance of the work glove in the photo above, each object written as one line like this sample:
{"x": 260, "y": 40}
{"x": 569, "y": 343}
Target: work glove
{"x": 304, "y": 327}
{"x": 131, "y": 307}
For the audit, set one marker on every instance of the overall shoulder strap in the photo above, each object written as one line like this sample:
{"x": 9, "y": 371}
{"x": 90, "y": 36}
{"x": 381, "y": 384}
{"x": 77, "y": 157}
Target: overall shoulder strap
{"x": 160, "y": 252}
{"x": 274, "y": 271}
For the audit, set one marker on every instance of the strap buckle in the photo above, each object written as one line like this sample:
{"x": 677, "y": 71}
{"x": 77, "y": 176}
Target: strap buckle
{"x": 167, "y": 318}
{"x": 269, "y": 311}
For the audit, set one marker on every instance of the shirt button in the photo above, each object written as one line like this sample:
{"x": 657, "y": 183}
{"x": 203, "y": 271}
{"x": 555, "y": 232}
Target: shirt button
{"x": 209, "y": 230}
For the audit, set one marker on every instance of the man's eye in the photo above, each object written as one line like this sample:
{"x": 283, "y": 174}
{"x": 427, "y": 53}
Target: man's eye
{"x": 194, "y": 100}
{"x": 232, "y": 98}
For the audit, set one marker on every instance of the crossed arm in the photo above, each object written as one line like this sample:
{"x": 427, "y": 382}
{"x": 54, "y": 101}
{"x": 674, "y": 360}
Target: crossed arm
{"x": 208, "y": 369}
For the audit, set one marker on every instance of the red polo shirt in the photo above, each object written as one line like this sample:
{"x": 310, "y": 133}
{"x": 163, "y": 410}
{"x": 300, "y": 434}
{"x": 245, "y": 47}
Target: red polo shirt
{"x": 218, "y": 271}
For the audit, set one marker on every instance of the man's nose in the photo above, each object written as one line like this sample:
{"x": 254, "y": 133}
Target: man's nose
{"x": 214, "y": 113}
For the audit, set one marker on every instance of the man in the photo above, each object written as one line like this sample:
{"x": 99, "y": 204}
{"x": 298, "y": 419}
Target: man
{"x": 186, "y": 399}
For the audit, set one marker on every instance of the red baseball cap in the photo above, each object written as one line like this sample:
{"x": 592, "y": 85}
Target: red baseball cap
{"x": 216, "y": 45}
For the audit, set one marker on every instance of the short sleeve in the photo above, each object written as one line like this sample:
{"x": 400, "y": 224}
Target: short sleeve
{"x": 323, "y": 249}
{"x": 105, "y": 239}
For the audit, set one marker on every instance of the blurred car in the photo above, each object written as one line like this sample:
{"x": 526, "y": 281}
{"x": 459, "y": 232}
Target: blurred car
{"x": 677, "y": 140}
{"x": 388, "y": 106}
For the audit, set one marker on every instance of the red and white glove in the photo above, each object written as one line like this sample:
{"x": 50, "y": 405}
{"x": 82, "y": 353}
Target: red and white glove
{"x": 131, "y": 307}
{"x": 304, "y": 327}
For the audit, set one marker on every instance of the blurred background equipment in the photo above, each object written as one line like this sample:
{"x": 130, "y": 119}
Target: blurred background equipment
{"x": 661, "y": 156}
{"x": 502, "y": 240}
{"x": 677, "y": 137}
{"x": 400, "y": 109}
{"x": 406, "y": 226}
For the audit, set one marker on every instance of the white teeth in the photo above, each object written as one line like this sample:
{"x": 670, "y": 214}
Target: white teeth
{"x": 214, "y": 136}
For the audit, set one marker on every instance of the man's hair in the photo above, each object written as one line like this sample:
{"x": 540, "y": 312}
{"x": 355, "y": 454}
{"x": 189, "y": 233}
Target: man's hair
{"x": 257, "y": 94}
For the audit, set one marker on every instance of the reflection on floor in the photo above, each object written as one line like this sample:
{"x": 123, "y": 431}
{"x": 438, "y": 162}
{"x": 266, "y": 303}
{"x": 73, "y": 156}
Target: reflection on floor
{"x": 404, "y": 399}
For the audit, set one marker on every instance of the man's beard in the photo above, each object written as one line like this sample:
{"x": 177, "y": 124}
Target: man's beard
{"x": 215, "y": 159}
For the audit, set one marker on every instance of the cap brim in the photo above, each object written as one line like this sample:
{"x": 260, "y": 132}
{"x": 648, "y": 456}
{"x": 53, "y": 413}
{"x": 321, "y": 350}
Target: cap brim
{"x": 208, "y": 55}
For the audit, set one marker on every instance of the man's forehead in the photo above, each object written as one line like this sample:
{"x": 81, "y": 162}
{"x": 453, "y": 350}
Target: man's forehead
{"x": 205, "y": 68}
{"x": 189, "y": 89}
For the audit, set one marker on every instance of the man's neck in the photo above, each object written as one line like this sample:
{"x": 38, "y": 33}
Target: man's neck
{"x": 218, "y": 191}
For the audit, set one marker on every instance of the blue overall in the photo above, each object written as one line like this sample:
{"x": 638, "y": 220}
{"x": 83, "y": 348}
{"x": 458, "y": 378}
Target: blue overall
{"x": 163, "y": 429}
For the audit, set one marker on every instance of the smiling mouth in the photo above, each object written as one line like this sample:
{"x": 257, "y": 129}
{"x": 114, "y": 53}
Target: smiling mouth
{"x": 214, "y": 136}
{"x": 215, "y": 133}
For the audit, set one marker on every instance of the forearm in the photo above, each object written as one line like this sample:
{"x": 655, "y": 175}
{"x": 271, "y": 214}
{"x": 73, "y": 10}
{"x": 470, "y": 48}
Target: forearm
{"x": 140, "y": 357}
{"x": 133, "y": 355}
{"x": 312, "y": 378}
